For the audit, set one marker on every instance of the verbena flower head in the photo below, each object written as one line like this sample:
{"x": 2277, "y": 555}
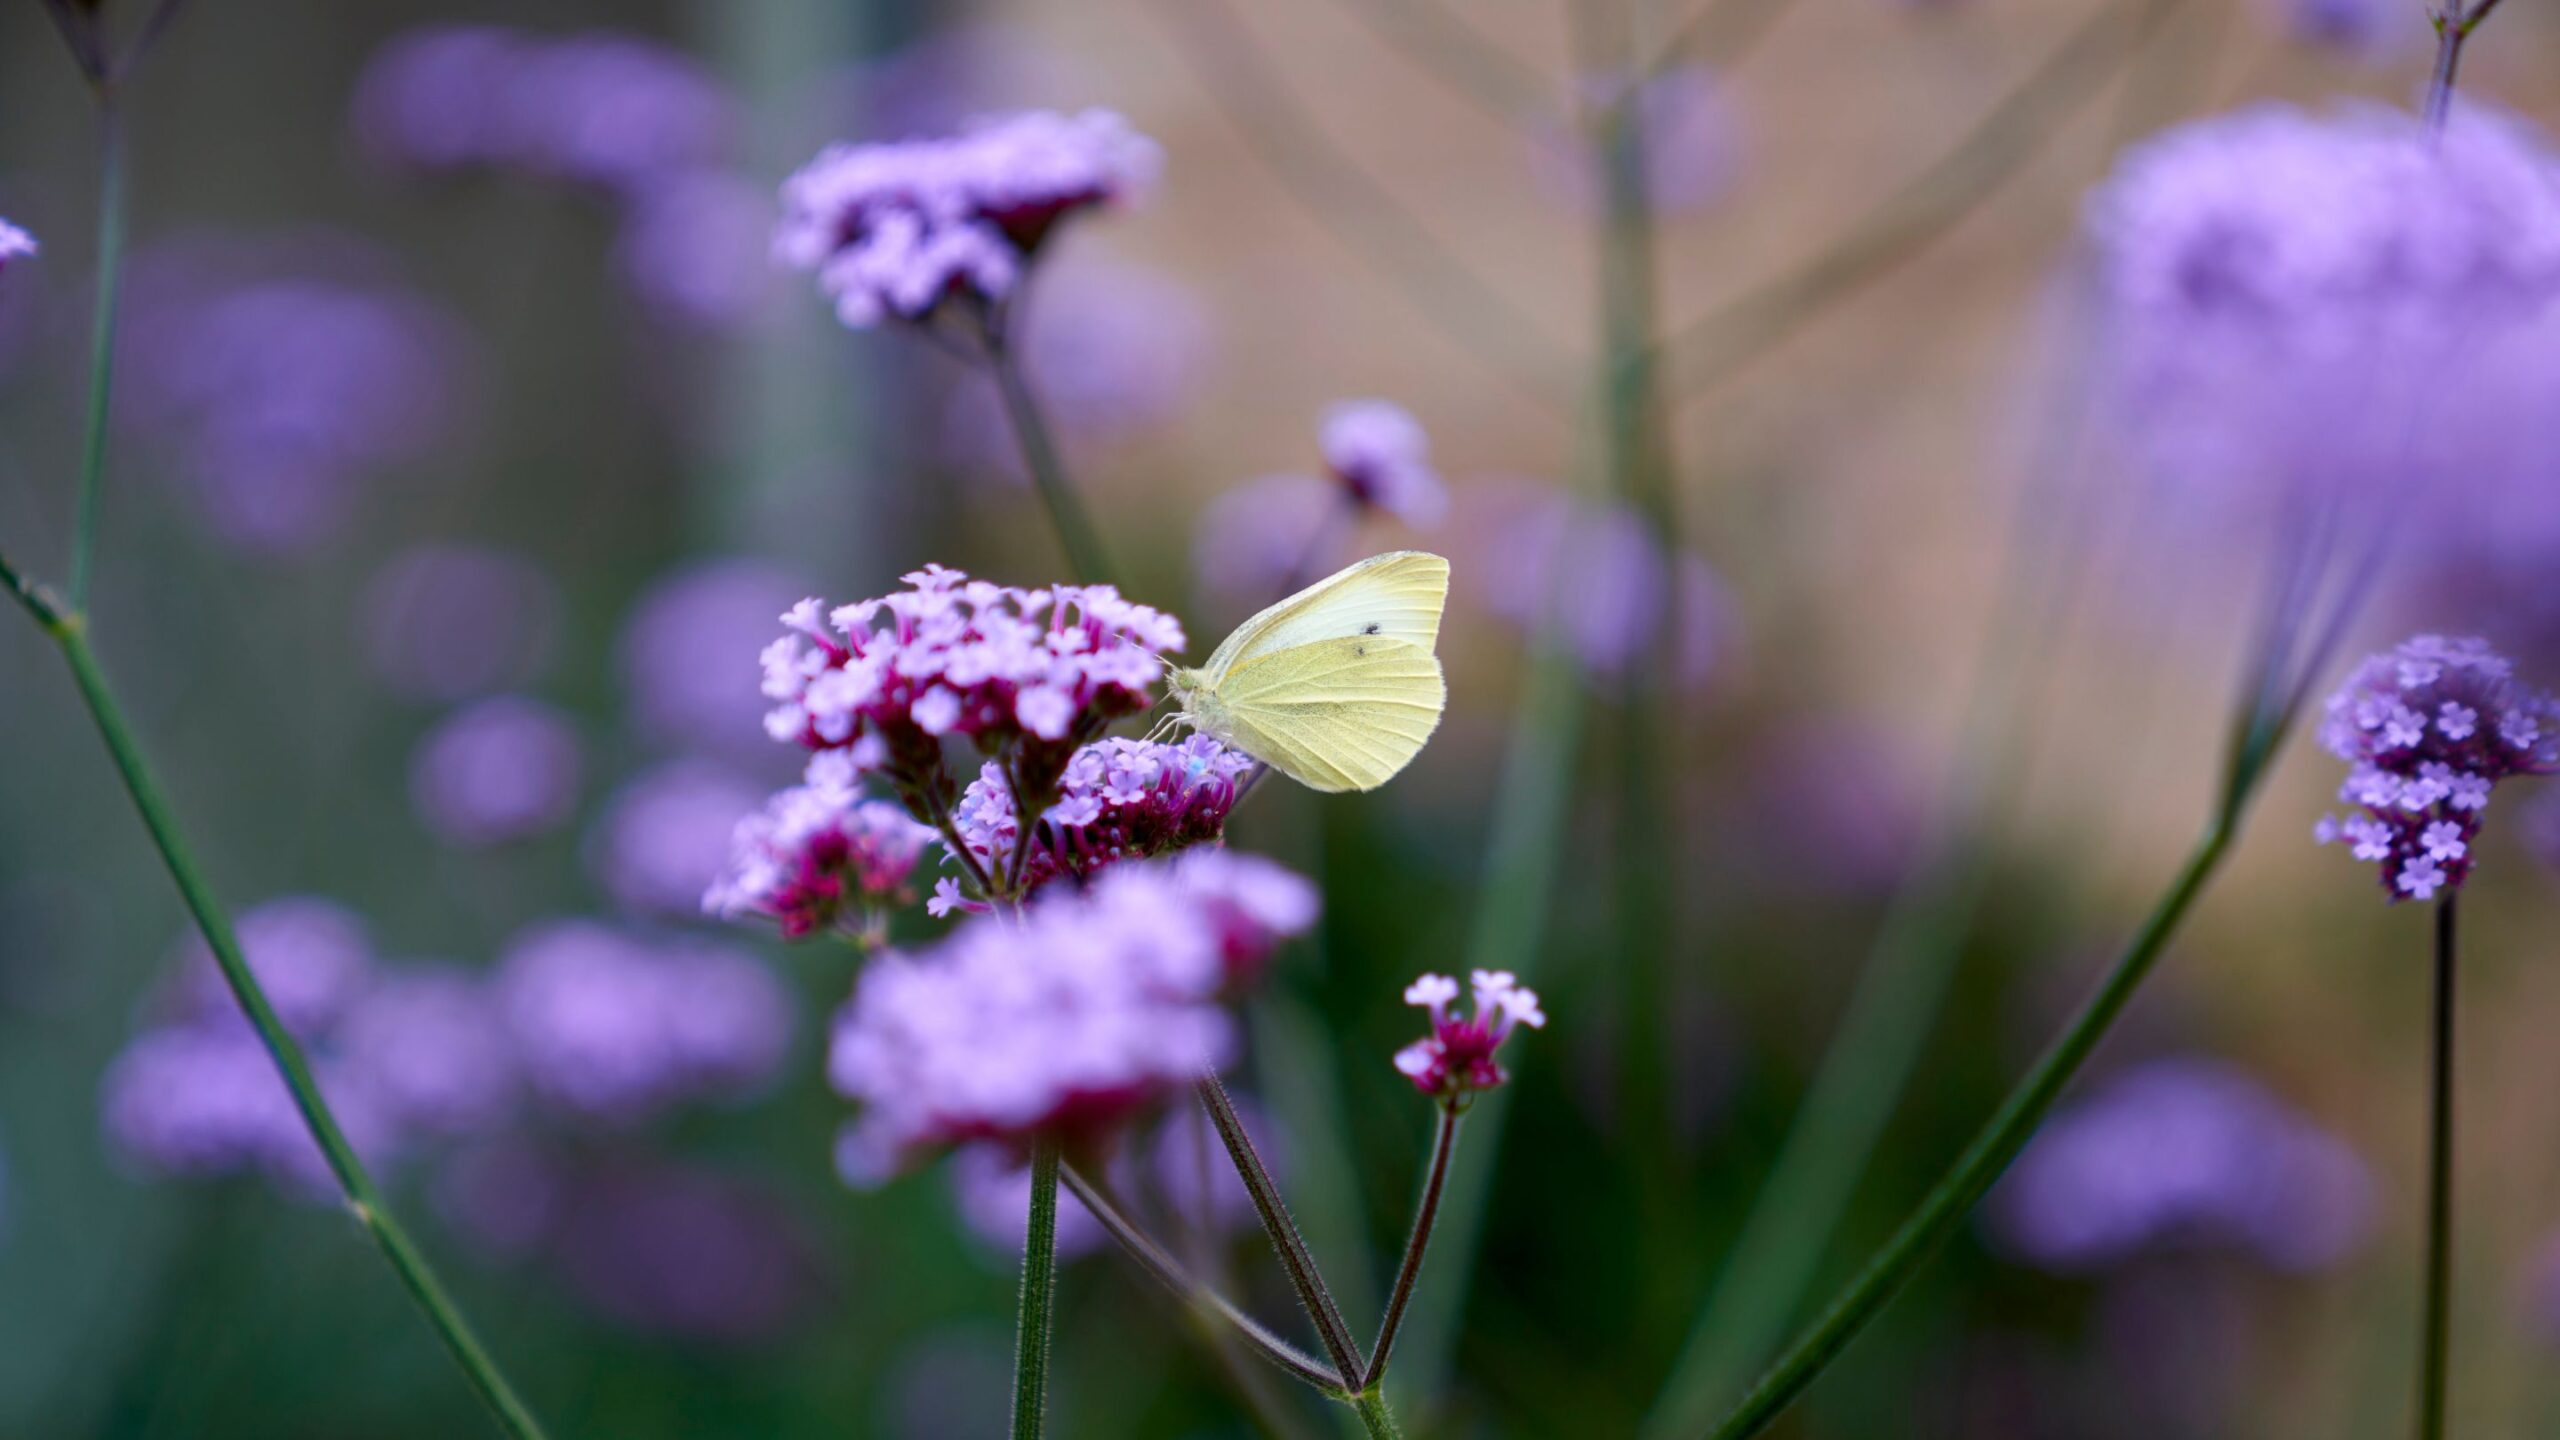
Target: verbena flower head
{"x": 2428, "y": 729}
{"x": 499, "y": 769}
{"x": 1118, "y": 800}
{"x": 452, "y": 622}
{"x": 685, "y": 648}
{"x": 1025, "y": 674}
{"x": 15, "y": 244}
{"x": 1456, "y": 1059}
{"x": 664, "y": 838}
{"x": 1065, "y": 1021}
{"x": 1379, "y": 453}
{"x": 816, "y": 855}
{"x": 2283, "y": 302}
{"x": 893, "y": 230}
{"x": 1594, "y": 576}
{"x": 614, "y": 1028}
{"x": 2182, "y": 1151}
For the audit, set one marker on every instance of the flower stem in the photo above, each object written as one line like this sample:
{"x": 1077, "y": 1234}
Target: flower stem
{"x": 2453, "y": 26}
{"x": 1076, "y": 535}
{"x": 1375, "y": 1417}
{"x": 2436, "y": 1322}
{"x": 1998, "y": 1142}
{"x": 1410, "y": 1272}
{"x": 69, "y": 630}
{"x": 1158, "y": 1262}
{"x": 102, "y": 344}
{"x": 1339, "y": 1347}
{"x": 1039, "y": 1305}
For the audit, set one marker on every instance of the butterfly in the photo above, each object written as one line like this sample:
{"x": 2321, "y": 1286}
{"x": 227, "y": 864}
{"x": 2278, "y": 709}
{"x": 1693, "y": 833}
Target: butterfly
{"x": 1335, "y": 687}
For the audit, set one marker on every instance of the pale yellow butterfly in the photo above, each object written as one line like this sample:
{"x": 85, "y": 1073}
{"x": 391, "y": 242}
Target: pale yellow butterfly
{"x": 1335, "y": 687}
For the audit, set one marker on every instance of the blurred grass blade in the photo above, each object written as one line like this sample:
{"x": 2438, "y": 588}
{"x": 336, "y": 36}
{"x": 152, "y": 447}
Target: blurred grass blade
{"x": 1300, "y": 1087}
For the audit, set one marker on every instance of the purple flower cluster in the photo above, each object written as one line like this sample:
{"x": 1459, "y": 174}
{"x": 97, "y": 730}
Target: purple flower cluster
{"x": 452, "y": 622}
{"x": 497, "y": 770}
{"x": 1027, "y": 675}
{"x": 615, "y": 1028}
{"x": 1118, "y": 800}
{"x": 893, "y": 230}
{"x": 2428, "y": 730}
{"x": 1066, "y": 1021}
{"x": 679, "y": 648}
{"x": 2182, "y": 1151}
{"x": 664, "y": 838}
{"x": 15, "y": 244}
{"x": 2278, "y": 297}
{"x": 1457, "y": 1058}
{"x": 405, "y": 1055}
{"x": 817, "y": 854}
{"x": 1269, "y": 536}
{"x": 1378, "y": 452}
{"x": 282, "y": 394}
{"x": 1607, "y": 590}
{"x": 599, "y": 109}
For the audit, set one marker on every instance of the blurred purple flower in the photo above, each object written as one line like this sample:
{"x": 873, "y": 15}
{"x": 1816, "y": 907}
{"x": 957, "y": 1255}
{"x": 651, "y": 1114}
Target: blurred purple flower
{"x": 2429, "y": 729}
{"x": 816, "y": 855}
{"x": 603, "y": 109}
{"x": 1119, "y": 799}
{"x": 405, "y": 1055}
{"x": 1378, "y": 452}
{"x": 2181, "y": 1151}
{"x": 1829, "y": 804}
{"x": 693, "y": 248}
{"x": 2372, "y": 31}
{"x": 687, "y": 654}
{"x": 15, "y": 244}
{"x": 1597, "y": 576}
{"x": 665, "y": 836}
{"x": 891, "y": 230}
{"x": 991, "y": 1187}
{"x": 1693, "y": 149}
{"x": 2280, "y": 300}
{"x": 500, "y": 769}
{"x": 282, "y": 394}
{"x": 611, "y": 1027}
{"x": 686, "y": 1253}
{"x": 1067, "y": 1021}
{"x": 1267, "y": 537}
{"x": 450, "y": 622}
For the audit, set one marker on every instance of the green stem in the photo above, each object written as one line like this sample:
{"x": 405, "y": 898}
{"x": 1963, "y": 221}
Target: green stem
{"x": 1973, "y": 1173}
{"x": 1039, "y": 1296}
{"x": 1076, "y": 535}
{"x": 102, "y": 344}
{"x": 1331, "y": 1329}
{"x": 2436, "y": 1323}
{"x": 363, "y": 1199}
{"x": 1375, "y": 1417}
{"x": 1410, "y": 1272}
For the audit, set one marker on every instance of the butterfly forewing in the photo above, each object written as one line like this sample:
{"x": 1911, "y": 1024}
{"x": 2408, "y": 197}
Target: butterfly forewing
{"x": 1395, "y": 596}
{"x": 1336, "y": 714}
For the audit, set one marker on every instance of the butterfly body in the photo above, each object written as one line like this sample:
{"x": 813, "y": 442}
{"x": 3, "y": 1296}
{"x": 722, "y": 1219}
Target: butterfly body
{"x": 1337, "y": 686}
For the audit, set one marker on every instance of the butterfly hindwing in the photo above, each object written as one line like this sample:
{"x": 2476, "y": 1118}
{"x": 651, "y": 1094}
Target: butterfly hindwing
{"x": 1337, "y": 714}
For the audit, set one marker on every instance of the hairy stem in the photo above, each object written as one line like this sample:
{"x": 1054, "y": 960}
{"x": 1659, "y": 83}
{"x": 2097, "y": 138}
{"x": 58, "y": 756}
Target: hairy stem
{"x": 363, "y": 1199}
{"x": 1993, "y": 1147}
{"x": 1410, "y": 1272}
{"x": 102, "y": 344}
{"x": 1339, "y": 1347}
{"x": 1074, "y": 528}
{"x": 2436, "y": 1320}
{"x": 1039, "y": 1300}
{"x": 1375, "y": 1418}
{"x": 2453, "y": 27}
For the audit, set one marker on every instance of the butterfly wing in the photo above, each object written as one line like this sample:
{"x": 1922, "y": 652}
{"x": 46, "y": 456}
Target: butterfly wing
{"x": 1338, "y": 714}
{"x": 1395, "y": 596}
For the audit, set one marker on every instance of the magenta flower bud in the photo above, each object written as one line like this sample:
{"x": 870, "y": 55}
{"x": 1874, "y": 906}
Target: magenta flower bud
{"x": 1456, "y": 1059}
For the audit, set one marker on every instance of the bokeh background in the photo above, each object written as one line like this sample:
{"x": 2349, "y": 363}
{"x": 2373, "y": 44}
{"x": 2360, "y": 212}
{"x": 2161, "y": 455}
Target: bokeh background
{"x": 468, "y": 443}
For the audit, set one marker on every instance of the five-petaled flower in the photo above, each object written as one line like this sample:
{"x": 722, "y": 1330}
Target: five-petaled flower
{"x": 1456, "y": 1059}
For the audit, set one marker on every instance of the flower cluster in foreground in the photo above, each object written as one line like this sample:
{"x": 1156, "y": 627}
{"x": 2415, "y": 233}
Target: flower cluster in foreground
{"x": 893, "y": 230}
{"x": 15, "y": 244}
{"x": 1118, "y": 800}
{"x": 1456, "y": 1059}
{"x": 1065, "y": 1021}
{"x": 1026, "y": 675}
{"x": 818, "y": 852}
{"x": 2429, "y": 729}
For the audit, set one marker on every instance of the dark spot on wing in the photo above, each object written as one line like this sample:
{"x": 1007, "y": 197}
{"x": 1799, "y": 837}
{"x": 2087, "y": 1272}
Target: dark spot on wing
{"x": 1369, "y": 629}
{"x": 1359, "y": 649}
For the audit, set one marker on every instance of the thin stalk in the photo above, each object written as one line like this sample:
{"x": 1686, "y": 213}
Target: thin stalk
{"x": 1159, "y": 1263}
{"x": 1410, "y": 1272}
{"x": 2453, "y": 27}
{"x": 1982, "y": 1162}
{"x": 1076, "y": 535}
{"x": 950, "y": 829}
{"x": 363, "y": 1199}
{"x": 2435, "y": 1325}
{"x": 1375, "y": 1417}
{"x": 102, "y": 344}
{"x": 1294, "y": 1257}
{"x": 1039, "y": 1301}
{"x": 1452, "y": 50}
